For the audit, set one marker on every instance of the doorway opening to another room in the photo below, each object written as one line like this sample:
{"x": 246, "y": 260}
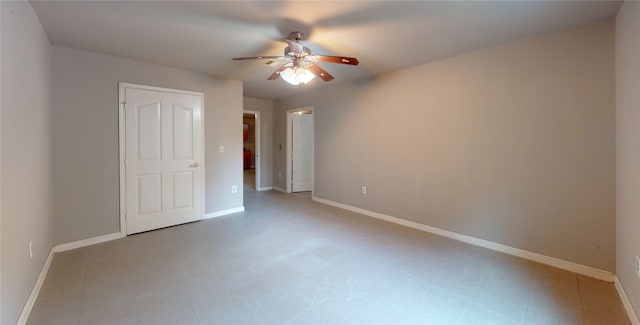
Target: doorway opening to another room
{"x": 300, "y": 150}
{"x": 251, "y": 149}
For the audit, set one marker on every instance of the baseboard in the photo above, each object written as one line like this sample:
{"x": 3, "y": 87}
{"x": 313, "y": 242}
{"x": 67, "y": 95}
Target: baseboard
{"x": 552, "y": 261}
{"x": 628, "y": 307}
{"x": 266, "y": 188}
{"x": 223, "y": 212}
{"x": 26, "y": 311}
{"x": 86, "y": 242}
{"x": 562, "y": 264}
{"x": 275, "y": 188}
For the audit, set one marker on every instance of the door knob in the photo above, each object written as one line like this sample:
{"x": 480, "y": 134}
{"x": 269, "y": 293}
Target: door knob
{"x": 194, "y": 165}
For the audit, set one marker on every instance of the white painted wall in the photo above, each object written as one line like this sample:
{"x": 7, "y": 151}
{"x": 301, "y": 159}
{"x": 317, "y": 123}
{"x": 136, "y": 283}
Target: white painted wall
{"x": 26, "y": 155}
{"x": 0, "y": 165}
{"x": 85, "y": 137}
{"x": 628, "y": 148}
{"x": 265, "y": 107}
{"x": 513, "y": 144}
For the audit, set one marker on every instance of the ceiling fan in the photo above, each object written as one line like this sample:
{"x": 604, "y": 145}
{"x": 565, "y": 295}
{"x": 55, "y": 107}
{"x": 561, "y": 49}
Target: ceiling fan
{"x": 300, "y": 66}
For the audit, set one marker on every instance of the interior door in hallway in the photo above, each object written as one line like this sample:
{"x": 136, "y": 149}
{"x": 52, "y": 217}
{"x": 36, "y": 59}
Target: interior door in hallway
{"x": 163, "y": 157}
{"x": 302, "y": 153}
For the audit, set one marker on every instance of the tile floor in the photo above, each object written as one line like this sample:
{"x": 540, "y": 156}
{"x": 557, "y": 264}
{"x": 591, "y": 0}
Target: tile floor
{"x": 249, "y": 179}
{"x": 288, "y": 260}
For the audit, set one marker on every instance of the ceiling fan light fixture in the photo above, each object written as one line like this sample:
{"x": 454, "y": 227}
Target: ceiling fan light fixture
{"x": 296, "y": 76}
{"x": 301, "y": 67}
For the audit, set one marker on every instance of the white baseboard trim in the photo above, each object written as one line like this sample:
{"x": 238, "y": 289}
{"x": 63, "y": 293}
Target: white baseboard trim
{"x": 275, "y": 188}
{"x": 86, "y": 242}
{"x": 26, "y": 311}
{"x": 628, "y": 307}
{"x": 266, "y": 188}
{"x": 555, "y": 262}
{"x": 223, "y": 213}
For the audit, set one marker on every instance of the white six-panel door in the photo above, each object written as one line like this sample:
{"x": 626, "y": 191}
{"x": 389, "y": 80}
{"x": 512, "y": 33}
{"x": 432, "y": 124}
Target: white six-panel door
{"x": 302, "y": 153}
{"x": 163, "y": 157}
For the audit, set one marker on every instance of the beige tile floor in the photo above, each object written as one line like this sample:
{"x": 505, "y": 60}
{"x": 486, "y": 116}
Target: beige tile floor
{"x": 288, "y": 260}
{"x": 249, "y": 179}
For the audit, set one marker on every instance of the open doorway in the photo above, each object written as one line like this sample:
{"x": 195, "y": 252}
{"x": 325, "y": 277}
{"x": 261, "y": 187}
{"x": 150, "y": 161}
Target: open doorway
{"x": 251, "y": 149}
{"x": 300, "y": 150}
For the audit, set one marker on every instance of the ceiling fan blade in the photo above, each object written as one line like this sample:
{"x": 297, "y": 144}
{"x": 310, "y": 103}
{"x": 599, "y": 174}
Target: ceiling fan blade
{"x": 337, "y": 59}
{"x": 276, "y": 74}
{"x": 318, "y": 71}
{"x": 276, "y": 57}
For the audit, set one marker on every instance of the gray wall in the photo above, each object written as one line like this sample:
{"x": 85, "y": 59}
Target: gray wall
{"x": 512, "y": 144}
{"x": 628, "y": 147}
{"x": 265, "y": 107}
{"x": 85, "y": 137}
{"x": 26, "y": 154}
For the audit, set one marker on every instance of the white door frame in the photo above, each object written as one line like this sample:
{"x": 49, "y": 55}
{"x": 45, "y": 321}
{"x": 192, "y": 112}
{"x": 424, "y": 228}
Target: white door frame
{"x": 258, "y": 145}
{"x": 289, "y": 170}
{"x": 122, "y": 140}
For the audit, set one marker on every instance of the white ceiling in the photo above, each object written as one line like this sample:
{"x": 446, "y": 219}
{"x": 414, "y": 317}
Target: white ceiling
{"x": 203, "y": 36}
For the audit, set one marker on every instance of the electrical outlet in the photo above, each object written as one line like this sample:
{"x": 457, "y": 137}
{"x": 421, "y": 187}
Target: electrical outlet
{"x": 221, "y": 149}
{"x": 234, "y": 189}
{"x": 638, "y": 266}
{"x": 31, "y": 249}
{"x": 364, "y": 190}
{"x": 279, "y": 174}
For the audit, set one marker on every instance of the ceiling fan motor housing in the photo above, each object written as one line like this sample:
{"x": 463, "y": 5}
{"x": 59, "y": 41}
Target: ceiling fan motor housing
{"x": 296, "y": 49}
